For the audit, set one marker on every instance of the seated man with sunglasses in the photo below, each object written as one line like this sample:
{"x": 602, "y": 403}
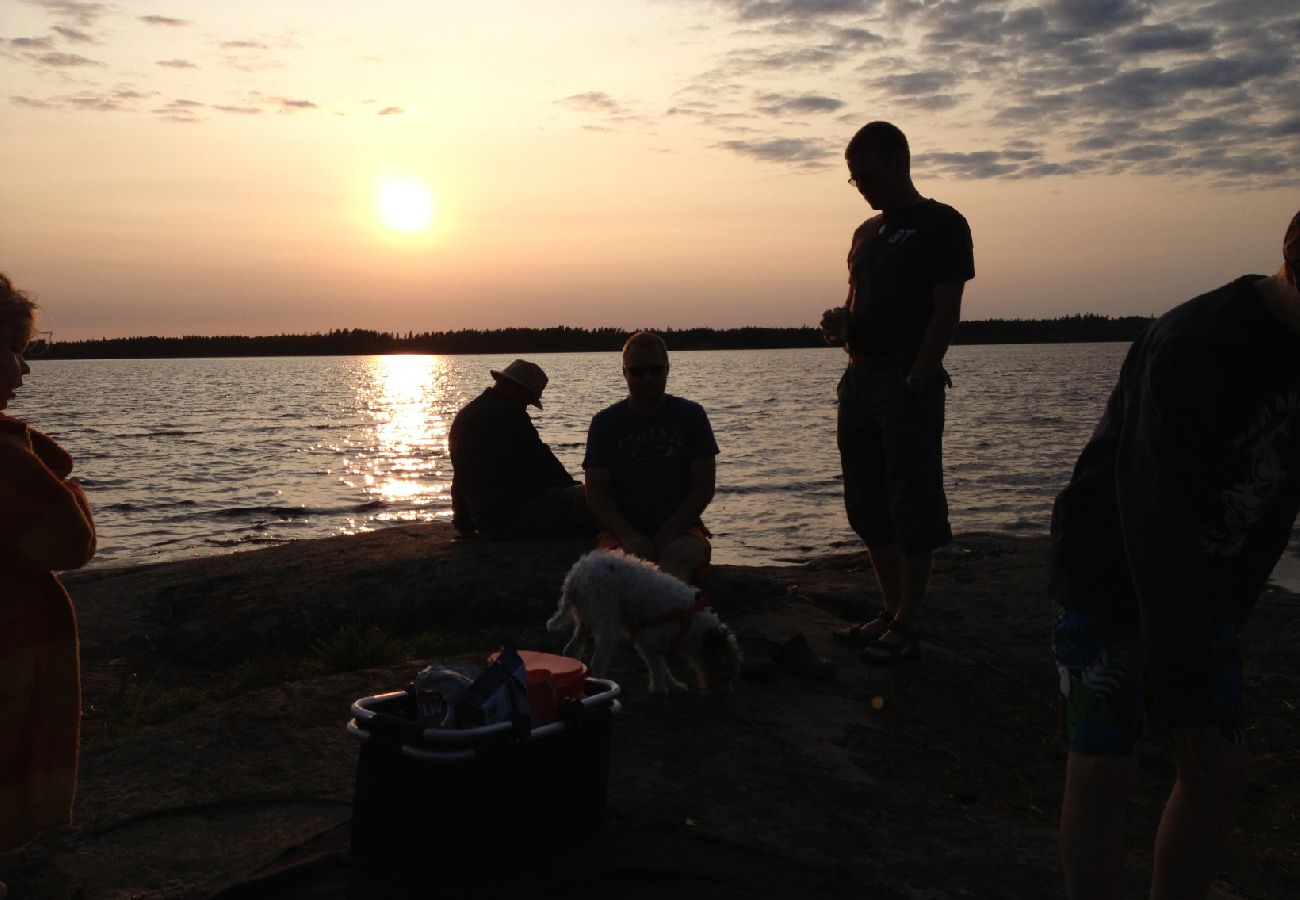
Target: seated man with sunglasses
{"x": 650, "y": 467}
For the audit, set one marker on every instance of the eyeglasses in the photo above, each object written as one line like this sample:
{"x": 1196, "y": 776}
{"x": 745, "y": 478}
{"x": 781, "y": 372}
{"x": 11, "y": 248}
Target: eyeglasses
{"x": 862, "y": 176}
{"x": 642, "y": 371}
{"x": 39, "y": 345}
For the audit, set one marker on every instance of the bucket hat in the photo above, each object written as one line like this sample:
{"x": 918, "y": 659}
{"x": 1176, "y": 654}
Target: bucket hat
{"x": 528, "y": 376}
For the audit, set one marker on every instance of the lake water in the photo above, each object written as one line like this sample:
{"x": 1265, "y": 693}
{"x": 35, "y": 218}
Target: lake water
{"x": 190, "y": 457}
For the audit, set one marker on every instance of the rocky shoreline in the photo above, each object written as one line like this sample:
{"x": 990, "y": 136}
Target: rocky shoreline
{"x": 216, "y": 692}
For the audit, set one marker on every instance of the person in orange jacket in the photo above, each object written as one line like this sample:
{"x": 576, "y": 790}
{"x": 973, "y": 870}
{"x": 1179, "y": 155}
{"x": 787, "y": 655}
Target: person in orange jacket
{"x": 45, "y": 525}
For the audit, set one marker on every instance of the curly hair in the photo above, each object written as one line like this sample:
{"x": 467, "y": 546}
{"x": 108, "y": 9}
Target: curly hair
{"x": 17, "y": 311}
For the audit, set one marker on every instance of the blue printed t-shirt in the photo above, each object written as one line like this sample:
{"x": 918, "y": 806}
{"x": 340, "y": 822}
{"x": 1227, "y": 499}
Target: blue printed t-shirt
{"x": 649, "y": 457}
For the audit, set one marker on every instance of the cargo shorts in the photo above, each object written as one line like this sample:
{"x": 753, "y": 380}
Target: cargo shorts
{"x": 890, "y": 439}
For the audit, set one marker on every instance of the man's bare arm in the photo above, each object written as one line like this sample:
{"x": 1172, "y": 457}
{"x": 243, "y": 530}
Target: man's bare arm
{"x": 939, "y": 332}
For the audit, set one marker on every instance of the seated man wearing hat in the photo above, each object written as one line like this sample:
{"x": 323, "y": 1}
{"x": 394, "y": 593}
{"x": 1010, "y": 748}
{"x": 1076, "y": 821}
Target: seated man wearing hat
{"x": 505, "y": 482}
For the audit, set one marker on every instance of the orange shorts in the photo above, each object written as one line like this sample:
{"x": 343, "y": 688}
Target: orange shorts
{"x": 607, "y": 540}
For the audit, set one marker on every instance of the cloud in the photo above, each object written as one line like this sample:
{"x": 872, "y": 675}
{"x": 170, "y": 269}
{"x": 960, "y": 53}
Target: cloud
{"x": 612, "y": 112}
{"x": 82, "y": 13}
{"x": 180, "y": 110}
{"x": 391, "y": 111}
{"x": 118, "y": 100}
{"x": 165, "y": 21}
{"x": 65, "y": 60}
{"x": 1096, "y": 15}
{"x": 1156, "y": 88}
{"x": 239, "y": 110}
{"x": 755, "y": 10}
{"x": 1158, "y": 38}
{"x": 91, "y": 101}
{"x": 1176, "y": 88}
{"x": 593, "y": 101}
{"x": 73, "y": 36}
{"x": 802, "y": 152}
{"x": 288, "y": 105}
{"x": 927, "y": 89}
{"x": 243, "y": 45}
{"x": 1286, "y": 128}
{"x": 175, "y": 64}
{"x": 782, "y": 105}
{"x": 25, "y": 43}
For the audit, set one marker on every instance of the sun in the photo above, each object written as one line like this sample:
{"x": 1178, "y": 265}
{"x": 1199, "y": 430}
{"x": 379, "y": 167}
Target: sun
{"x": 405, "y": 205}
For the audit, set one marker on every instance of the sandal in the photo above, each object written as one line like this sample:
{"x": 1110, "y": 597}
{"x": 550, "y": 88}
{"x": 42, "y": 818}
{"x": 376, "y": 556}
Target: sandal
{"x": 897, "y": 645}
{"x": 866, "y": 633}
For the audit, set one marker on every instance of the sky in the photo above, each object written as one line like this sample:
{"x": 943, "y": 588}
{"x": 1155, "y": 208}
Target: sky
{"x": 294, "y": 166}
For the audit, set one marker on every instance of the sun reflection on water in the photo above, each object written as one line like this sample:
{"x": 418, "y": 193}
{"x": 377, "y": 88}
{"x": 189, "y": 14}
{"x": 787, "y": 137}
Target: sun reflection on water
{"x": 408, "y": 462}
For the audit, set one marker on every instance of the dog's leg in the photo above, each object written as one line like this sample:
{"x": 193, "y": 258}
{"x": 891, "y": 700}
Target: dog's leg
{"x": 577, "y": 640}
{"x": 662, "y": 681}
{"x": 603, "y": 656}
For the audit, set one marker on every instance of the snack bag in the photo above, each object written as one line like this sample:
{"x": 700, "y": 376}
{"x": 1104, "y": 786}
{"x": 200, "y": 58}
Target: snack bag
{"x": 500, "y": 694}
{"x": 438, "y": 691}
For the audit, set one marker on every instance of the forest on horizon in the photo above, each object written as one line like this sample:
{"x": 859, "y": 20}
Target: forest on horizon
{"x": 1079, "y": 328}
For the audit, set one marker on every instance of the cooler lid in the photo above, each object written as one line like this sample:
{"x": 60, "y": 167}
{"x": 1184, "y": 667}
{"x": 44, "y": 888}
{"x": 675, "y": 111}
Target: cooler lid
{"x": 564, "y": 670}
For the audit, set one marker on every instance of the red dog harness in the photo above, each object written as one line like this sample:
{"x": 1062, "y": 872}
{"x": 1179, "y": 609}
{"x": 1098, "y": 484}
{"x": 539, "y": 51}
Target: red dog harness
{"x": 683, "y": 618}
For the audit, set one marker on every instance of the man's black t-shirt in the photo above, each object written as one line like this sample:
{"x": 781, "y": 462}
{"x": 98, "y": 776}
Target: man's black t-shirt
{"x": 894, "y": 271}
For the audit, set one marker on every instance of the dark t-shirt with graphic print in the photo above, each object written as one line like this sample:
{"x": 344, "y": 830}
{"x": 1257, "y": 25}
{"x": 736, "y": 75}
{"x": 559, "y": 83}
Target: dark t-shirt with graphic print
{"x": 1185, "y": 496}
{"x": 649, "y": 457}
{"x": 893, "y": 274}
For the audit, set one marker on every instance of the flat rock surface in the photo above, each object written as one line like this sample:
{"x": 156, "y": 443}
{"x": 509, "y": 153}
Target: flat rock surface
{"x": 939, "y": 779}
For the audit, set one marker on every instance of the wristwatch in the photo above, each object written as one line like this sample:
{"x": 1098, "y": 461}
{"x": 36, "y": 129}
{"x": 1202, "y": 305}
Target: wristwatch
{"x": 915, "y": 383}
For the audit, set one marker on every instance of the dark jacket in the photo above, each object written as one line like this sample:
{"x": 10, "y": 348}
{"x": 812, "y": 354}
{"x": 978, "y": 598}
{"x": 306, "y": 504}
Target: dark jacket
{"x": 498, "y": 462}
{"x": 1185, "y": 497}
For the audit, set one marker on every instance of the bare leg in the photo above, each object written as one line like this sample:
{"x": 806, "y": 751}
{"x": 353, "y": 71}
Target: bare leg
{"x": 903, "y": 580}
{"x": 1097, "y": 789}
{"x": 683, "y": 557}
{"x": 1198, "y": 816}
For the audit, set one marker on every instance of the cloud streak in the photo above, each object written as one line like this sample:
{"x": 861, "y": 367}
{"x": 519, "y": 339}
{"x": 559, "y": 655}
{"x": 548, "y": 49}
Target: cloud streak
{"x": 165, "y": 21}
{"x": 989, "y": 89}
{"x": 1104, "y": 86}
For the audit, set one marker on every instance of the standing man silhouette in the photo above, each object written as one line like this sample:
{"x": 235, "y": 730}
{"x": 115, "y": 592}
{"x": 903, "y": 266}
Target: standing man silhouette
{"x": 908, "y": 267}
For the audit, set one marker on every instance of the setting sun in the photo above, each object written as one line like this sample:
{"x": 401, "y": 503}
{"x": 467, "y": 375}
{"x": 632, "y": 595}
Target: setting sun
{"x": 405, "y": 206}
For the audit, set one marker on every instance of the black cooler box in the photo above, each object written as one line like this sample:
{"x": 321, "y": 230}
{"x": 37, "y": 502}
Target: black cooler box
{"x": 421, "y": 791}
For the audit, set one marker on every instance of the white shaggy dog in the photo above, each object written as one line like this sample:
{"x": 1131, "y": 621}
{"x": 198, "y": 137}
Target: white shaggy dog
{"x": 608, "y": 594}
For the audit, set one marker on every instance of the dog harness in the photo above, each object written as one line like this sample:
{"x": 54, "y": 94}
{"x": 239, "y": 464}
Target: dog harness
{"x": 683, "y": 618}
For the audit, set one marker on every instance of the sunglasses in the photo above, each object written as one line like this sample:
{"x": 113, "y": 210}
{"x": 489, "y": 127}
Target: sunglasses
{"x": 642, "y": 371}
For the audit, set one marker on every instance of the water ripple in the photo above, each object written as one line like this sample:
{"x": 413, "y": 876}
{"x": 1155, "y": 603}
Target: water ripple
{"x": 206, "y": 456}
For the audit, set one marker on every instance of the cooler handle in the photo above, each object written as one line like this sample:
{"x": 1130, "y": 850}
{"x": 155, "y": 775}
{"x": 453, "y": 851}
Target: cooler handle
{"x": 608, "y": 692}
{"x": 452, "y": 756}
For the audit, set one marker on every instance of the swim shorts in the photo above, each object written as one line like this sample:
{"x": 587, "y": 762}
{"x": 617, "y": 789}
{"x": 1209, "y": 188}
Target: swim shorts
{"x": 1105, "y": 698}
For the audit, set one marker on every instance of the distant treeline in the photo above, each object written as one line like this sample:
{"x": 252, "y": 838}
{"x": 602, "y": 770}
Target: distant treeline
{"x": 562, "y": 339}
